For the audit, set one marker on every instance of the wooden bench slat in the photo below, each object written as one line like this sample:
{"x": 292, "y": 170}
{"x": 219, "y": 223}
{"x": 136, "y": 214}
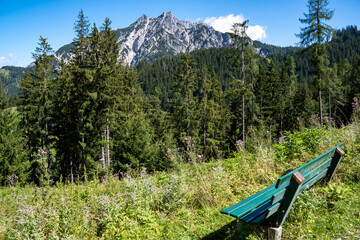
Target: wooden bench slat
{"x": 249, "y": 199}
{"x": 311, "y": 173}
{"x": 253, "y": 204}
{"x": 266, "y": 214}
{"x": 278, "y": 196}
{"x": 259, "y": 219}
{"x": 254, "y": 214}
{"x": 308, "y": 166}
{"x": 313, "y": 180}
{"x": 273, "y": 209}
{"x": 307, "y": 175}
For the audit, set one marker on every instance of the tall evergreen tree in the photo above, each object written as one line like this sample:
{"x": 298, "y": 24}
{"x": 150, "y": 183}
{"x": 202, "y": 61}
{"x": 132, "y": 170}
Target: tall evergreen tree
{"x": 185, "y": 107}
{"x": 68, "y": 136}
{"x": 134, "y": 138}
{"x": 213, "y": 115}
{"x": 83, "y": 76}
{"x": 313, "y": 36}
{"x": 73, "y": 111}
{"x": 240, "y": 42}
{"x": 36, "y": 105}
{"x": 104, "y": 55}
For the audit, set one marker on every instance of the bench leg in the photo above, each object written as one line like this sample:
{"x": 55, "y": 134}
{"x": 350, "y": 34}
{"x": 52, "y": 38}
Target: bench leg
{"x": 334, "y": 163}
{"x": 274, "y": 233}
{"x": 289, "y": 198}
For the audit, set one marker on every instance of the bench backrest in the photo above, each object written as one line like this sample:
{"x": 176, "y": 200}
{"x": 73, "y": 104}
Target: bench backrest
{"x": 265, "y": 205}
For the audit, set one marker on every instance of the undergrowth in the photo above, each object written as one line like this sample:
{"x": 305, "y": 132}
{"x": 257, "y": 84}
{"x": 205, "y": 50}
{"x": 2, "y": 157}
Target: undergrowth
{"x": 185, "y": 203}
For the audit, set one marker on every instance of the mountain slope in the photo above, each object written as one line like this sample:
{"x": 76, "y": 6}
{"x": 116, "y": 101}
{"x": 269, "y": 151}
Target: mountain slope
{"x": 10, "y": 77}
{"x": 150, "y": 38}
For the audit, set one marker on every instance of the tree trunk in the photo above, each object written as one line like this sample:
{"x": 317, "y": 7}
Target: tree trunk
{"x": 108, "y": 145}
{"x": 204, "y": 136}
{"x": 102, "y": 159}
{"x": 320, "y": 108}
{"x": 252, "y": 103}
{"x": 329, "y": 101}
{"x": 71, "y": 170}
{"x": 82, "y": 146}
{"x": 243, "y": 97}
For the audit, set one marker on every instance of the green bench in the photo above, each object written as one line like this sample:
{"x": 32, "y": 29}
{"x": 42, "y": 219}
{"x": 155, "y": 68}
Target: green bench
{"x": 272, "y": 204}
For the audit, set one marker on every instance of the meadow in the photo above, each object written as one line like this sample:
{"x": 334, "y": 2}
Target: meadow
{"x": 185, "y": 202}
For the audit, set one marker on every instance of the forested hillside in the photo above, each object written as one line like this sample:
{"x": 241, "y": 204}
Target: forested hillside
{"x": 10, "y": 77}
{"x": 92, "y": 116}
{"x": 94, "y": 148}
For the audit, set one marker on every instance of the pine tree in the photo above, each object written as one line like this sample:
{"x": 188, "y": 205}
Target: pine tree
{"x": 185, "y": 108}
{"x": 103, "y": 60}
{"x": 283, "y": 94}
{"x": 291, "y": 71}
{"x": 133, "y": 135}
{"x": 67, "y": 145}
{"x": 82, "y": 72}
{"x": 303, "y": 106}
{"x": 268, "y": 91}
{"x": 313, "y": 36}
{"x": 213, "y": 115}
{"x": 36, "y": 101}
{"x": 81, "y": 41}
{"x": 73, "y": 106}
{"x": 240, "y": 42}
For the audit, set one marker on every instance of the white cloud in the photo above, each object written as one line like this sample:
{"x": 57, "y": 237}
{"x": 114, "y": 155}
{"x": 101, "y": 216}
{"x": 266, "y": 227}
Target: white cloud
{"x": 224, "y": 24}
{"x": 10, "y": 59}
{"x": 257, "y": 32}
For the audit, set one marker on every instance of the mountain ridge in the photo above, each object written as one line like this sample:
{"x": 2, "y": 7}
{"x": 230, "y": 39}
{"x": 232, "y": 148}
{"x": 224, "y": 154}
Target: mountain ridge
{"x": 151, "y": 38}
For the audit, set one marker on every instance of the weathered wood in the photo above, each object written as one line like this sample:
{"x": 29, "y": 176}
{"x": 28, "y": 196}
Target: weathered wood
{"x": 313, "y": 180}
{"x": 274, "y": 233}
{"x": 298, "y": 178}
{"x": 340, "y": 151}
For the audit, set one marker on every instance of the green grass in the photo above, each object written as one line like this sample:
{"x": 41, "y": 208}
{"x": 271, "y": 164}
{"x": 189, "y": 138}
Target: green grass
{"x": 185, "y": 203}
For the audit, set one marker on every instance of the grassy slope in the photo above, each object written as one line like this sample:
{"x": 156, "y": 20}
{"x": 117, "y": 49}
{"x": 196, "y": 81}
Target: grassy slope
{"x": 184, "y": 203}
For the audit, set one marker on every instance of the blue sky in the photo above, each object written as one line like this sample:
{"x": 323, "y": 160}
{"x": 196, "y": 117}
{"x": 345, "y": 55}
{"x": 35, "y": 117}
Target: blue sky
{"x": 272, "y": 21}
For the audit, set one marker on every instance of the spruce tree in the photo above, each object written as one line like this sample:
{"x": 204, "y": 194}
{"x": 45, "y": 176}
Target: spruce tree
{"x": 313, "y": 36}
{"x": 36, "y": 106}
{"x": 240, "y": 42}
{"x": 66, "y": 115}
{"x": 82, "y": 72}
{"x": 73, "y": 107}
{"x": 185, "y": 108}
{"x": 133, "y": 135}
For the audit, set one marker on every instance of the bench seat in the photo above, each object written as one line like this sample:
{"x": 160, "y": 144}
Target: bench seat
{"x": 265, "y": 205}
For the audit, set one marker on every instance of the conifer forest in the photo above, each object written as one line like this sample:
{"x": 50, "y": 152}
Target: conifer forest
{"x": 93, "y": 115}
{"x": 94, "y": 147}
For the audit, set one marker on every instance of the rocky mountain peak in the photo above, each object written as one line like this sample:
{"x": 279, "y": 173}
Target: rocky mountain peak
{"x": 149, "y": 38}
{"x": 143, "y": 18}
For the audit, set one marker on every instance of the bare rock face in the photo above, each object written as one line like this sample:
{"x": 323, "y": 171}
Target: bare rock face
{"x": 151, "y": 38}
